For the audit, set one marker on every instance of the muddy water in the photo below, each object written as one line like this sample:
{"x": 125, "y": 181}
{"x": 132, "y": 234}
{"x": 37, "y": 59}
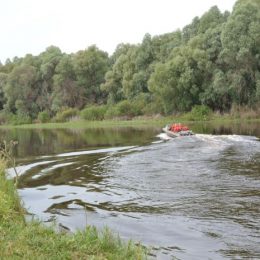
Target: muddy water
{"x": 194, "y": 197}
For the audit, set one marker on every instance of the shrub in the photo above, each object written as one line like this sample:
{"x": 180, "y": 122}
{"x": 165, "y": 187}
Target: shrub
{"x": 65, "y": 115}
{"x": 124, "y": 108}
{"x": 5, "y": 117}
{"x": 150, "y": 105}
{"x": 93, "y": 113}
{"x": 121, "y": 109}
{"x": 111, "y": 112}
{"x": 200, "y": 113}
{"x": 44, "y": 117}
{"x": 139, "y": 103}
{"x": 153, "y": 108}
{"x": 20, "y": 119}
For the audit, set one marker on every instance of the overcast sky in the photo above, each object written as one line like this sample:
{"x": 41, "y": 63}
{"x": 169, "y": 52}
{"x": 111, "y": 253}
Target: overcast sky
{"x": 29, "y": 26}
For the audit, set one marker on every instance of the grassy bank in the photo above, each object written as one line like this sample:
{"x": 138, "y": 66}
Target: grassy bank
{"x": 81, "y": 124}
{"x": 90, "y": 119}
{"x": 21, "y": 240}
{"x": 135, "y": 122}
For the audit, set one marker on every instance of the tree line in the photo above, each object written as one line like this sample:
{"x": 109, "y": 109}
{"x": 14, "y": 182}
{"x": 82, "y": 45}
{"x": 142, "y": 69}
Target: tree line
{"x": 213, "y": 61}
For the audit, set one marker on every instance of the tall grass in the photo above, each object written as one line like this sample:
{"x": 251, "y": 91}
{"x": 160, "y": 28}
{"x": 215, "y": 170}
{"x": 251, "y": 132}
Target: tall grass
{"x": 20, "y": 240}
{"x": 10, "y": 206}
{"x": 245, "y": 112}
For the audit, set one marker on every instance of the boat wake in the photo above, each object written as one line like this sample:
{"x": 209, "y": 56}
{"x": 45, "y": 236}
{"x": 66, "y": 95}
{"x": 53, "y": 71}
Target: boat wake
{"x": 166, "y": 186}
{"x": 213, "y": 138}
{"x": 226, "y": 138}
{"x": 164, "y": 137}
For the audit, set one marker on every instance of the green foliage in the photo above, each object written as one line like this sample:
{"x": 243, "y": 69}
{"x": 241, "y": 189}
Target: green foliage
{"x": 154, "y": 107}
{"x": 122, "y": 109}
{"x": 3, "y": 81}
{"x": 66, "y": 91}
{"x": 90, "y": 68}
{"x": 19, "y": 91}
{"x": 240, "y": 51}
{"x": 13, "y": 119}
{"x": 139, "y": 103}
{"x": 125, "y": 108}
{"x": 20, "y": 119}
{"x": 5, "y": 117}
{"x": 199, "y": 113}
{"x": 10, "y": 205}
{"x": 214, "y": 60}
{"x": 93, "y": 113}
{"x": 44, "y": 117}
{"x": 65, "y": 115}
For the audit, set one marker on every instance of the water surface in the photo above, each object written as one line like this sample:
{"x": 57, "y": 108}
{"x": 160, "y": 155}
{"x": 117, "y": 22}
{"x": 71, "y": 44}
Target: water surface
{"x": 195, "y": 197}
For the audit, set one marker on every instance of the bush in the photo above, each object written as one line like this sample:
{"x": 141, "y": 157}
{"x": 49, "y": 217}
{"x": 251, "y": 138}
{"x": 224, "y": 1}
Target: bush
{"x": 13, "y": 119}
{"x": 111, "y": 112}
{"x": 44, "y": 117}
{"x": 153, "y": 108}
{"x": 20, "y": 119}
{"x": 121, "y": 109}
{"x": 199, "y": 113}
{"x": 139, "y": 104}
{"x": 145, "y": 104}
{"x": 93, "y": 113}
{"x": 5, "y": 117}
{"x": 65, "y": 115}
{"x": 124, "y": 108}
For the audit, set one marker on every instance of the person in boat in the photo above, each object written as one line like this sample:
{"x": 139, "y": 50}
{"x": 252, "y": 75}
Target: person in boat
{"x": 178, "y": 127}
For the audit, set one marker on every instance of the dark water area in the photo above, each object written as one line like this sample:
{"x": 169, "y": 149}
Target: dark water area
{"x": 195, "y": 197}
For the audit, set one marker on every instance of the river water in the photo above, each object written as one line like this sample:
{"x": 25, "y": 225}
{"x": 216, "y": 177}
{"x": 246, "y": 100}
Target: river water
{"x": 195, "y": 197}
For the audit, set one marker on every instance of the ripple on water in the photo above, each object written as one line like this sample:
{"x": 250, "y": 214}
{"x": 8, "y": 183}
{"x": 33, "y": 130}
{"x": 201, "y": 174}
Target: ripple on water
{"x": 191, "y": 197}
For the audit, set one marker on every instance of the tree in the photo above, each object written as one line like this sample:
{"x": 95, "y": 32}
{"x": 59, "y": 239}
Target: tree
{"x": 241, "y": 49}
{"x": 113, "y": 81}
{"x": 66, "y": 92}
{"x": 90, "y": 67}
{"x": 20, "y": 92}
{"x": 164, "y": 44}
{"x": 179, "y": 81}
{"x": 3, "y": 81}
{"x": 49, "y": 59}
{"x": 218, "y": 95}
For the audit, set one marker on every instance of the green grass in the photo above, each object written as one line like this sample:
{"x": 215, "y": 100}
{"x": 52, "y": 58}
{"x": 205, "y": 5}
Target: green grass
{"x": 33, "y": 240}
{"x": 80, "y": 124}
{"x": 135, "y": 122}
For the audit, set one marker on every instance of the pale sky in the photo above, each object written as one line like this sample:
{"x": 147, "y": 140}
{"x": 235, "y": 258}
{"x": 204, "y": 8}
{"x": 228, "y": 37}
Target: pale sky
{"x": 29, "y": 26}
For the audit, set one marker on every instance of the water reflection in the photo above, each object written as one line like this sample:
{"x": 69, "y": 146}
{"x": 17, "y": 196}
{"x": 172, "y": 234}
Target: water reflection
{"x": 45, "y": 142}
{"x": 193, "y": 198}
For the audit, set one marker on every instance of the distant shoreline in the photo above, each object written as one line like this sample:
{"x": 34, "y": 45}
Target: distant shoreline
{"x": 134, "y": 122}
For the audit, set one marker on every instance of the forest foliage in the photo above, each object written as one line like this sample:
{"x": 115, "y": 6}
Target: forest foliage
{"x": 214, "y": 61}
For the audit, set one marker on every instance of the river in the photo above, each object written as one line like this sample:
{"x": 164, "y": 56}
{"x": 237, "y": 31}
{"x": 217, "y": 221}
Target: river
{"x": 195, "y": 197}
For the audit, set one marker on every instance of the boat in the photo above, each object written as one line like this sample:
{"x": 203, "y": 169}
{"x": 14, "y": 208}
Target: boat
{"x": 176, "y": 130}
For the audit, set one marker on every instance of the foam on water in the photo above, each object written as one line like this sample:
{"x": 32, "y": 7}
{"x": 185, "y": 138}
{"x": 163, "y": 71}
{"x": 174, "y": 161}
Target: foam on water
{"x": 164, "y": 136}
{"x": 51, "y": 168}
{"x": 96, "y": 151}
{"x": 24, "y": 168}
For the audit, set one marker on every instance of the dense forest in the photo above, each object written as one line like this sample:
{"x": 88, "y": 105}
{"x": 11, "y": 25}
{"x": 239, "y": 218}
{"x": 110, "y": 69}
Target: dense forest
{"x": 214, "y": 61}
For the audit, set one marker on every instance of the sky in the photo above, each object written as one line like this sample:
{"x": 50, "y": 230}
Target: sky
{"x": 30, "y": 26}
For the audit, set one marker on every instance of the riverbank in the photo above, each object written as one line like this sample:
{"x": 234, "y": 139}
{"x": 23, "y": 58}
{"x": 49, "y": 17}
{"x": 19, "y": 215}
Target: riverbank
{"x": 33, "y": 240}
{"x": 136, "y": 122}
